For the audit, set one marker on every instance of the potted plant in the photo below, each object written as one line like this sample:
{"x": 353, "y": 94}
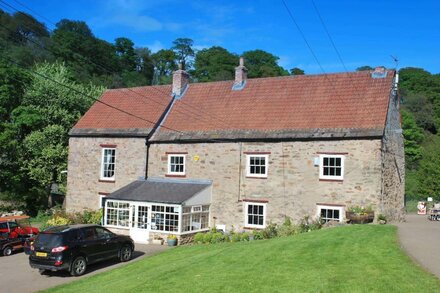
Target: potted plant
{"x": 172, "y": 240}
{"x": 360, "y": 215}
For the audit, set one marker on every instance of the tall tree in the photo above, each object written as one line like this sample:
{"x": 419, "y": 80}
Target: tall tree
{"x": 215, "y": 63}
{"x": 164, "y": 64}
{"x": 183, "y": 48}
{"x": 126, "y": 54}
{"x": 262, "y": 64}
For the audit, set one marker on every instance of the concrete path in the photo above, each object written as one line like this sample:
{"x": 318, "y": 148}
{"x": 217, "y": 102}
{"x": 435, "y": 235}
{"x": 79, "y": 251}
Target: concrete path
{"x": 420, "y": 238}
{"x": 17, "y": 276}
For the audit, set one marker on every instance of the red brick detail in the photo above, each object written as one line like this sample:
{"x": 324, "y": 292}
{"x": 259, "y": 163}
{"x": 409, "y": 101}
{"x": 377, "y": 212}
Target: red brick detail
{"x": 331, "y": 153}
{"x": 331, "y": 204}
{"x": 257, "y": 153}
{"x": 175, "y": 176}
{"x": 254, "y": 177}
{"x": 256, "y": 200}
{"x": 252, "y": 228}
{"x": 103, "y": 193}
{"x": 176, "y": 153}
{"x": 108, "y": 145}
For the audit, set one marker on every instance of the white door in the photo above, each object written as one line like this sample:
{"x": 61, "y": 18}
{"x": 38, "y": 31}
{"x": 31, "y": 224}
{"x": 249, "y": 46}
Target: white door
{"x": 140, "y": 223}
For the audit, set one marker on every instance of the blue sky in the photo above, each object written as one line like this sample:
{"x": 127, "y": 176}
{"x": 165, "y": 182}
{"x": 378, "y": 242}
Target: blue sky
{"x": 365, "y": 32}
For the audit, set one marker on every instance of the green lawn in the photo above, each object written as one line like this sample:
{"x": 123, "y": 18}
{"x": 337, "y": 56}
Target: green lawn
{"x": 357, "y": 258}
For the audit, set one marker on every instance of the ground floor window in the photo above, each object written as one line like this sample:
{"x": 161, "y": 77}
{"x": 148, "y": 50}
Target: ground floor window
{"x": 330, "y": 213}
{"x": 255, "y": 215}
{"x": 117, "y": 213}
{"x": 164, "y": 218}
{"x": 195, "y": 218}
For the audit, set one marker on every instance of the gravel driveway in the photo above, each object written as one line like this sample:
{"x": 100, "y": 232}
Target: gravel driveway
{"x": 420, "y": 238}
{"x": 17, "y": 276}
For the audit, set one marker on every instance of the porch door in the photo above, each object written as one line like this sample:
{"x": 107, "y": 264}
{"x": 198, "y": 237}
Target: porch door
{"x": 140, "y": 219}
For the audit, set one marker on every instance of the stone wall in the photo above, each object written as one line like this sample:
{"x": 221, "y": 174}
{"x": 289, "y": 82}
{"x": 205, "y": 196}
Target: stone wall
{"x": 393, "y": 168}
{"x": 292, "y": 187}
{"x": 84, "y": 167}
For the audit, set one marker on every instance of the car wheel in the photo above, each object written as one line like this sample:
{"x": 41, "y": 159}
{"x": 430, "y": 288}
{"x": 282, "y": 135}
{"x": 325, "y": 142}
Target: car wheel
{"x": 79, "y": 266}
{"x": 7, "y": 251}
{"x": 125, "y": 253}
{"x": 41, "y": 271}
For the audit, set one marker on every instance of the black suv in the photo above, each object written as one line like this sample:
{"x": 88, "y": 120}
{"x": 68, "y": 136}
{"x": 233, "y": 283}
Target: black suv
{"x": 73, "y": 247}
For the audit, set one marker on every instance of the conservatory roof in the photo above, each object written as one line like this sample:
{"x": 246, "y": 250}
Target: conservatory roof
{"x": 170, "y": 191}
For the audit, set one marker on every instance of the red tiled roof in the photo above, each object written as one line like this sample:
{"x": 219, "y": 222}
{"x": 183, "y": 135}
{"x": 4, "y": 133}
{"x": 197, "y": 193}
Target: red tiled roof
{"x": 147, "y": 102}
{"x": 301, "y": 103}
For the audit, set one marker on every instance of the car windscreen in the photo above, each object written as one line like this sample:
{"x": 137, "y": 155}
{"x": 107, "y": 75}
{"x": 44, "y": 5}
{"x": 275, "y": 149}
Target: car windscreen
{"x": 48, "y": 240}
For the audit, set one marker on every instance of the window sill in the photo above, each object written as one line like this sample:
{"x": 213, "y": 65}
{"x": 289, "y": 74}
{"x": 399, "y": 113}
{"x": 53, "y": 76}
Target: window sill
{"x": 331, "y": 180}
{"x": 107, "y": 180}
{"x": 175, "y": 175}
{"x": 256, "y": 177}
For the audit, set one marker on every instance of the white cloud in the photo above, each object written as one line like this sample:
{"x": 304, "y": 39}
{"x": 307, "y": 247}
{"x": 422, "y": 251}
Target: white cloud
{"x": 131, "y": 14}
{"x": 155, "y": 46}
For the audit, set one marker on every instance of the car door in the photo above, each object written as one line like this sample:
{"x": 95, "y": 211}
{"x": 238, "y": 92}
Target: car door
{"x": 90, "y": 244}
{"x": 108, "y": 243}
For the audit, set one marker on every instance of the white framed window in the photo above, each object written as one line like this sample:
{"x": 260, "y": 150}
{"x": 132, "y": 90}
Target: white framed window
{"x": 331, "y": 167}
{"x": 195, "y": 218}
{"x": 117, "y": 213}
{"x": 329, "y": 213}
{"x": 255, "y": 215}
{"x": 108, "y": 163}
{"x": 176, "y": 164}
{"x": 257, "y": 165}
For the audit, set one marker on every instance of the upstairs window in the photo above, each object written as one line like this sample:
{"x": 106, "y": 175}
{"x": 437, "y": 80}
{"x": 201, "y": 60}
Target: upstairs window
{"x": 257, "y": 166}
{"x": 176, "y": 164}
{"x": 331, "y": 167}
{"x": 108, "y": 164}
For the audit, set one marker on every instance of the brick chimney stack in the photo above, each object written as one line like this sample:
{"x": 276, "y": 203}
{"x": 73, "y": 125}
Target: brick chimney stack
{"x": 180, "y": 81}
{"x": 240, "y": 74}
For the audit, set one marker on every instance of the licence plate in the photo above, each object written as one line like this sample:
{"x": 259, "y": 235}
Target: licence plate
{"x": 42, "y": 254}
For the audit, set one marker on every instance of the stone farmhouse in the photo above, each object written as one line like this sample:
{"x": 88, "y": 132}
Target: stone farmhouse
{"x": 181, "y": 158}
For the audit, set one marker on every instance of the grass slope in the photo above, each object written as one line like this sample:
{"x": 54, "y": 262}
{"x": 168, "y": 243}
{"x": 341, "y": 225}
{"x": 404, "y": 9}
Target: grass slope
{"x": 358, "y": 258}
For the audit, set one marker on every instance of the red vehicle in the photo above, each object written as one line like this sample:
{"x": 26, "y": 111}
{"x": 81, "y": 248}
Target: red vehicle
{"x": 17, "y": 227}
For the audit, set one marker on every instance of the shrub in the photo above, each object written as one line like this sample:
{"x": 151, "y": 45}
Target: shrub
{"x": 207, "y": 237}
{"x": 57, "y": 220}
{"x": 236, "y": 237}
{"x": 258, "y": 234}
{"x": 361, "y": 210}
{"x": 270, "y": 231}
{"x": 217, "y": 237}
{"x": 245, "y": 236}
{"x": 199, "y": 238}
{"x": 286, "y": 229}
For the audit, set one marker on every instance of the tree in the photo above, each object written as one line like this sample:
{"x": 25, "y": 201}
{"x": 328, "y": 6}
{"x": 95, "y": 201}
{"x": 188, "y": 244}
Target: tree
{"x": 215, "y": 63}
{"x": 262, "y": 64}
{"x": 126, "y": 54}
{"x": 296, "y": 71}
{"x": 34, "y": 139}
{"x": 183, "y": 48}
{"x": 413, "y": 136}
{"x": 164, "y": 64}
{"x": 364, "y": 68}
